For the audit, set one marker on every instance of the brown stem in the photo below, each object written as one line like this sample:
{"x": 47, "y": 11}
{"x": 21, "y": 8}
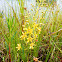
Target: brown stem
{"x": 9, "y": 54}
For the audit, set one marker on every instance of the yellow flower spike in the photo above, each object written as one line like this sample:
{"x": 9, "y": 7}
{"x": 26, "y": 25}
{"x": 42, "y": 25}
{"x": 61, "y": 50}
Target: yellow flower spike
{"x": 35, "y": 36}
{"x": 26, "y": 23}
{"x": 29, "y": 39}
{"x": 18, "y": 47}
{"x": 32, "y": 45}
{"x": 34, "y": 18}
{"x": 35, "y": 25}
{"x": 23, "y": 36}
{"x": 29, "y": 30}
{"x": 39, "y": 29}
{"x": 37, "y": 11}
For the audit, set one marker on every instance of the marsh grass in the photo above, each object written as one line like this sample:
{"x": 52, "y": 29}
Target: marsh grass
{"x": 49, "y": 41}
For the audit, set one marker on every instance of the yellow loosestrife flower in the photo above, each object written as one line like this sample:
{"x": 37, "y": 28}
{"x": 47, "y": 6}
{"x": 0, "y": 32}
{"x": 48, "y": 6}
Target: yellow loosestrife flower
{"x": 23, "y": 36}
{"x": 29, "y": 30}
{"x": 39, "y": 29}
{"x": 35, "y": 25}
{"x": 35, "y": 36}
{"x": 18, "y": 47}
{"x": 31, "y": 45}
{"x": 29, "y": 39}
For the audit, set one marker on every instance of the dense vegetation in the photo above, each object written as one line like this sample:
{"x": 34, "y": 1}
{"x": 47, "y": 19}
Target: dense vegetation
{"x": 31, "y": 36}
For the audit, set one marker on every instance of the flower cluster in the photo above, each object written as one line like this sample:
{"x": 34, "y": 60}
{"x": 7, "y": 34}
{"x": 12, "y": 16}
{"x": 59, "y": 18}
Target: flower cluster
{"x": 31, "y": 30}
{"x": 30, "y": 33}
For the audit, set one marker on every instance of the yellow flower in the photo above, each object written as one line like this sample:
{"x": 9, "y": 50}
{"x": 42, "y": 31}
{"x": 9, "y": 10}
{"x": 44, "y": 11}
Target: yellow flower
{"x": 26, "y": 21}
{"x": 35, "y": 25}
{"x": 35, "y": 36}
{"x": 18, "y": 47}
{"x": 23, "y": 25}
{"x": 29, "y": 39}
{"x": 31, "y": 45}
{"x": 29, "y": 30}
{"x": 39, "y": 29}
{"x": 23, "y": 36}
{"x": 24, "y": 29}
